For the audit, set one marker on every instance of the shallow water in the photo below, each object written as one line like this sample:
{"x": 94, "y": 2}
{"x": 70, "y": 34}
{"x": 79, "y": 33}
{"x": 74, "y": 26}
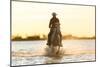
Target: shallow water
{"x": 35, "y": 52}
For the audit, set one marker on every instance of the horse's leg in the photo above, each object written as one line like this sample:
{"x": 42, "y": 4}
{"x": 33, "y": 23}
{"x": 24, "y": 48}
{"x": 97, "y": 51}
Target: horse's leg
{"x": 58, "y": 50}
{"x": 52, "y": 48}
{"x": 59, "y": 44}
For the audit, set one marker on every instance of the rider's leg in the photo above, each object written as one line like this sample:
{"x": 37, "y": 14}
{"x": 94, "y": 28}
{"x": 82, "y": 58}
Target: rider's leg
{"x": 48, "y": 41}
{"x": 49, "y": 38}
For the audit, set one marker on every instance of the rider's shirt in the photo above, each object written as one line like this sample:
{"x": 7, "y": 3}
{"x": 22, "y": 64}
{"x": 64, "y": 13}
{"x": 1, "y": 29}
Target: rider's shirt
{"x": 54, "y": 22}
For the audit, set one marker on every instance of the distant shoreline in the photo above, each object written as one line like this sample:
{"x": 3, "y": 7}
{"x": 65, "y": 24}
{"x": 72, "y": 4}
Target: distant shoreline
{"x": 46, "y": 40}
{"x": 45, "y": 37}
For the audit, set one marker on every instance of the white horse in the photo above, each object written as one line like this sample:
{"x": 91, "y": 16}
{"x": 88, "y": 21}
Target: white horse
{"x": 55, "y": 40}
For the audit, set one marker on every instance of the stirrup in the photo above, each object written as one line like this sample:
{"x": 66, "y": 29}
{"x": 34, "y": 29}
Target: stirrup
{"x": 47, "y": 43}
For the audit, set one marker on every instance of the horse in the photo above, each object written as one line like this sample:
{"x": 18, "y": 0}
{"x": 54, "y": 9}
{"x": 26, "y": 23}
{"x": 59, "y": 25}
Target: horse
{"x": 55, "y": 40}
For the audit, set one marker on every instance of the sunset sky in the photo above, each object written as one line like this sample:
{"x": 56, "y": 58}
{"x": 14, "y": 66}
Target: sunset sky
{"x": 33, "y": 18}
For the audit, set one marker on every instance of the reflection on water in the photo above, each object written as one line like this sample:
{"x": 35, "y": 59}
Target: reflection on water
{"x": 36, "y": 52}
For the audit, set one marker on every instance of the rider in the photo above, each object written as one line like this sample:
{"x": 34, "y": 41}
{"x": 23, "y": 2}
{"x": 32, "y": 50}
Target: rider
{"x": 54, "y": 23}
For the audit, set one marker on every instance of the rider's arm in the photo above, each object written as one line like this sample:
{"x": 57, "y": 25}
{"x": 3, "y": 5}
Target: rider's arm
{"x": 50, "y": 23}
